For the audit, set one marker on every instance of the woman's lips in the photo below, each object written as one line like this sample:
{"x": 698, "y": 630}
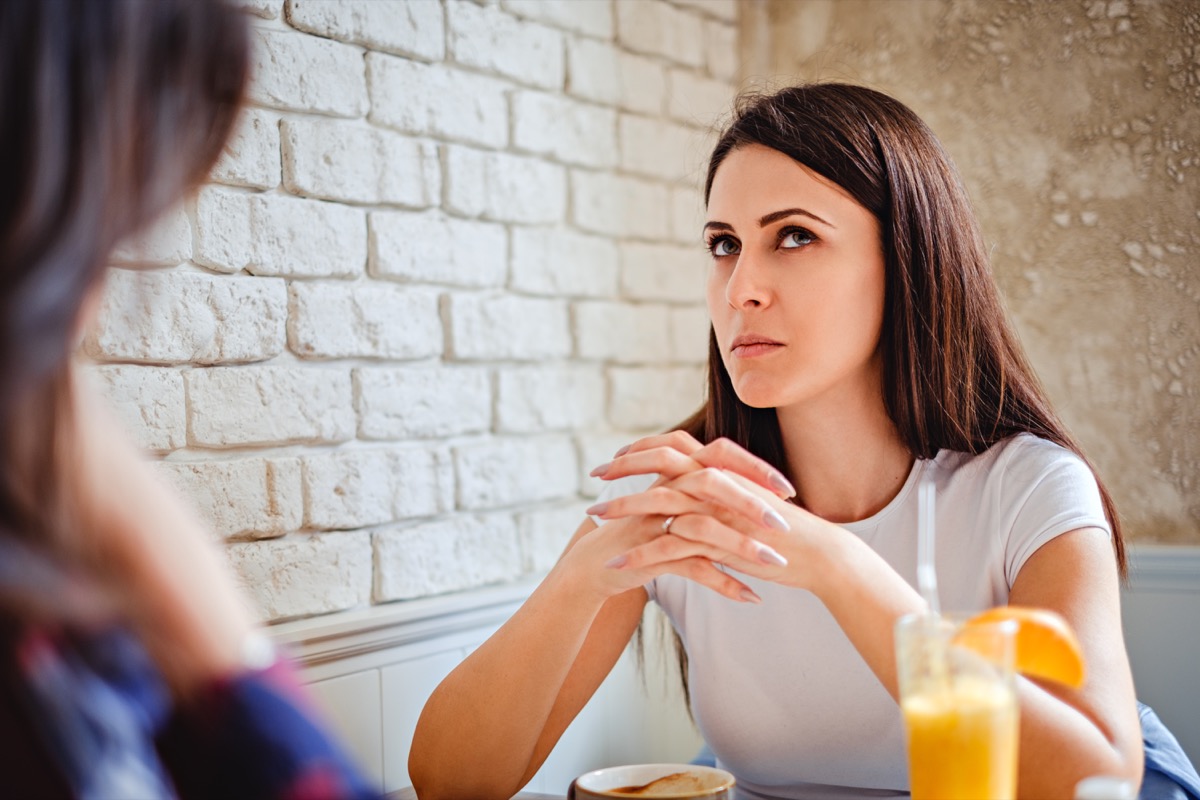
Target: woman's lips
{"x": 754, "y": 346}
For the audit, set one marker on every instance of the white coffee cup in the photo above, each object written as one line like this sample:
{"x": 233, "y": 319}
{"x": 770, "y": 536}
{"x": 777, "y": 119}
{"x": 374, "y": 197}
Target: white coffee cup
{"x": 654, "y": 780}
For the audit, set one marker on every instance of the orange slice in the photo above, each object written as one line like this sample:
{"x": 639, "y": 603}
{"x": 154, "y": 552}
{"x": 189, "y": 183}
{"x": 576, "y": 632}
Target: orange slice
{"x": 1046, "y": 647}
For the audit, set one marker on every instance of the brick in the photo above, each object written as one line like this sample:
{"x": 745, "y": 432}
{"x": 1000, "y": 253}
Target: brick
{"x": 661, "y": 30}
{"x": 267, "y": 9}
{"x": 603, "y": 73}
{"x": 295, "y": 72}
{"x": 445, "y": 556}
{"x": 593, "y": 17}
{"x": 721, "y": 54}
{"x": 304, "y": 574}
{"x": 726, "y": 10}
{"x": 422, "y": 402}
{"x": 251, "y": 156}
{"x": 661, "y": 149}
{"x": 167, "y": 241}
{"x": 546, "y": 398}
{"x": 436, "y": 100}
{"x": 356, "y": 488}
{"x": 149, "y": 401}
{"x": 688, "y": 214}
{"x": 596, "y": 449}
{"x": 564, "y": 129}
{"x": 670, "y": 272}
{"x": 544, "y": 534}
{"x": 618, "y": 206}
{"x": 654, "y": 398}
{"x": 504, "y": 187}
{"x": 370, "y": 320}
{"x": 623, "y": 333}
{"x": 343, "y": 161}
{"x": 488, "y": 327}
{"x": 230, "y": 406}
{"x": 185, "y": 317}
{"x": 702, "y": 102}
{"x": 689, "y": 334}
{"x": 515, "y": 470}
{"x": 434, "y": 248}
{"x": 490, "y": 40}
{"x": 273, "y": 234}
{"x": 561, "y": 263}
{"x": 241, "y": 498}
{"x": 406, "y": 28}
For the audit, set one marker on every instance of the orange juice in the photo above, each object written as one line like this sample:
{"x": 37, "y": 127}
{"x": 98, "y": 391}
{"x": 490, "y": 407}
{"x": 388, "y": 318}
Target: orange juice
{"x": 962, "y": 741}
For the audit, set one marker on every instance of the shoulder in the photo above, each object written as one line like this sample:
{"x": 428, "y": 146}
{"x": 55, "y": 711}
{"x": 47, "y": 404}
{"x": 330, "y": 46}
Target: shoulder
{"x": 1018, "y": 460}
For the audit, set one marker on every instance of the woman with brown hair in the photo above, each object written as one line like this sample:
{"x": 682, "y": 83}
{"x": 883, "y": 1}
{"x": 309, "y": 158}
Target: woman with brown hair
{"x": 858, "y": 348}
{"x": 129, "y": 666}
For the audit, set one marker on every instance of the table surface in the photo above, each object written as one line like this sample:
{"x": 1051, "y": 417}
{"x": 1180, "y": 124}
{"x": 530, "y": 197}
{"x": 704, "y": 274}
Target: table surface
{"x": 409, "y": 794}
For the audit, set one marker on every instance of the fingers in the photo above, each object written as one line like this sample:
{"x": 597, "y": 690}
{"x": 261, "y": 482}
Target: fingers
{"x": 704, "y": 572}
{"x": 717, "y": 487}
{"x": 700, "y": 535}
{"x": 672, "y": 454}
{"x": 659, "y": 500}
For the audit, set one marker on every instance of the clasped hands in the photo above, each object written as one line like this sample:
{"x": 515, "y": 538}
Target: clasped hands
{"x": 714, "y": 504}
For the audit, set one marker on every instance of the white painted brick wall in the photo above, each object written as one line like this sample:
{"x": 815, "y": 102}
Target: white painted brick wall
{"x": 273, "y": 234}
{"x": 504, "y": 327}
{"x": 438, "y": 557}
{"x": 407, "y": 28}
{"x": 357, "y": 164}
{"x": 512, "y": 470}
{"x": 181, "y": 317}
{"x": 305, "y": 73}
{"x": 333, "y": 320}
{"x": 431, "y": 247}
{"x": 422, "y": 402}
{"x": 241, "y": 497}
{"x": 449, "y": 261}
{"x": 230, "y": 406}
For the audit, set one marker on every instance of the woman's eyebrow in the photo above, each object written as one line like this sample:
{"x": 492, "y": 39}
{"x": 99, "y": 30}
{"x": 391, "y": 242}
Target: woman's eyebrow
{"x": 774, "y": 216}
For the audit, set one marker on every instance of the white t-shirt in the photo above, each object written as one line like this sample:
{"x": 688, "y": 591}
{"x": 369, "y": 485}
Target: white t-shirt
{"x": 780, "y": 694}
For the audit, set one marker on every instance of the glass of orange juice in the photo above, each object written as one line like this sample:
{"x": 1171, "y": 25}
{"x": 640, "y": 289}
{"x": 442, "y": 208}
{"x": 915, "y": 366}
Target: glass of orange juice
{"x": 960, "y": 707}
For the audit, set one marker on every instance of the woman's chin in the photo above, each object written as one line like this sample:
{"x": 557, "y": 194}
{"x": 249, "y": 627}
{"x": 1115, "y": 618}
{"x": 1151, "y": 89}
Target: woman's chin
{"x": 758, "y": 394}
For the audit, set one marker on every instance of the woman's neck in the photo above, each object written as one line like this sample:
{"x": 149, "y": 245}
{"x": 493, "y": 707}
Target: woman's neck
{"x": 845, "y": 455}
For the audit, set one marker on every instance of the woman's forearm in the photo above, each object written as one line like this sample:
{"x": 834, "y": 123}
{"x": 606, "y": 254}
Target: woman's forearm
{"x": 488, "y": 726}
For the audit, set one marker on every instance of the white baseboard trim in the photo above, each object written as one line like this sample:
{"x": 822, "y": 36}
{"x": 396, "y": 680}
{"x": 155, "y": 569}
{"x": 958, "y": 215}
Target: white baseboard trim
{"x": 1164, "y": 568}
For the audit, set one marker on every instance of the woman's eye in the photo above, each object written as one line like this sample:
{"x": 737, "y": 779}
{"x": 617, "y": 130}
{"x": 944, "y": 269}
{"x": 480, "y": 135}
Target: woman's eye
{"x": 723, "y": 246}
{"x": 797, "y": 237}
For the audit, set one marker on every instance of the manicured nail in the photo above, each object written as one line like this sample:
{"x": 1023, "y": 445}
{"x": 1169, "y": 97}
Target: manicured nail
{"x": 749, "y": 596}
{"x": 597, "y": 510}
{"x": 618, "y": 562}
{"x": 768, "y": 555}
{"x": 622, "y": 451}
{"x": 782, "y": 485}
{"x": 599, "y": 471}
{"x": 772, "y": 519}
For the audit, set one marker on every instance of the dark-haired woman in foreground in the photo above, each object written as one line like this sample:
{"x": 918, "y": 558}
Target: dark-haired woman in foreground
{"x": 129, "y": 667}
{"x": 858, "y": 347}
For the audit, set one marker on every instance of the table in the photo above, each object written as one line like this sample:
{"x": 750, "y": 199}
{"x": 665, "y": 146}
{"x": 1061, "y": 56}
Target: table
{"x": 409, "y": 794}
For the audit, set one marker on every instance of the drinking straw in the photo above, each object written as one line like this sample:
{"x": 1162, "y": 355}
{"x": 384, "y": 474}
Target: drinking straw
{"x": 926, "y": 574}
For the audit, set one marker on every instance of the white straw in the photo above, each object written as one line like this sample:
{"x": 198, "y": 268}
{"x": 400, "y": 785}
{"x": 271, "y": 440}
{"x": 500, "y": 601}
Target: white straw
{"x": 926, "y": 573}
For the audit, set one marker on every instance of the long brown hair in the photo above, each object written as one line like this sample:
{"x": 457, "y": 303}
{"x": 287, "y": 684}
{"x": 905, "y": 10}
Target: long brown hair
{"x": 113, "y": 111}
{"x": 954, "y": 373}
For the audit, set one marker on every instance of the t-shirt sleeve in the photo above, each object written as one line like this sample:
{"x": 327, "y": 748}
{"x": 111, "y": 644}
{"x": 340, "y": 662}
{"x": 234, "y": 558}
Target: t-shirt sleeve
{"x": 1052, "y": 492}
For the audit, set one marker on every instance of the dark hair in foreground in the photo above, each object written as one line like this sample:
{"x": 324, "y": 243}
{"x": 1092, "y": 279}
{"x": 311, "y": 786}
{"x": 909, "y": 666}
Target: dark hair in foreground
{"x": 954, "y": 373}
{"x": 113, "y": 111}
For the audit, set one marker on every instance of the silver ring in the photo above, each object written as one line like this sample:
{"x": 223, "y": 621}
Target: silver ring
{"x": 666, "y": 526}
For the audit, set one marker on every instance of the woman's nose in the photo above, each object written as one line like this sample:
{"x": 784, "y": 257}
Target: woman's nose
{"x": 747, "y": 286}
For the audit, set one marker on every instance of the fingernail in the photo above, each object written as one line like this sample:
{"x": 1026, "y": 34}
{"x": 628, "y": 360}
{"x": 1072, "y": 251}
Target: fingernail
{"x": 597, "y": 510}
{"x": 599, "y": 471}
{"x": 622, "y": 451}
{"x": 749, "y": 596}
{"x": 782, "y": 485}
{"x": 772, "y": 519}
{"x": 768, "y": 555}
{"x": 618, "y": 562}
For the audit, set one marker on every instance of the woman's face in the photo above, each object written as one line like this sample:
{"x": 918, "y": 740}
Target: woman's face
{"x": 797, "y": 282}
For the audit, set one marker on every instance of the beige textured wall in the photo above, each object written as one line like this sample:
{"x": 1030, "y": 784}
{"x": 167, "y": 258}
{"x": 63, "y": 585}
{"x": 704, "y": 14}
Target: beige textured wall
{"x": 1076, "y": 124}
